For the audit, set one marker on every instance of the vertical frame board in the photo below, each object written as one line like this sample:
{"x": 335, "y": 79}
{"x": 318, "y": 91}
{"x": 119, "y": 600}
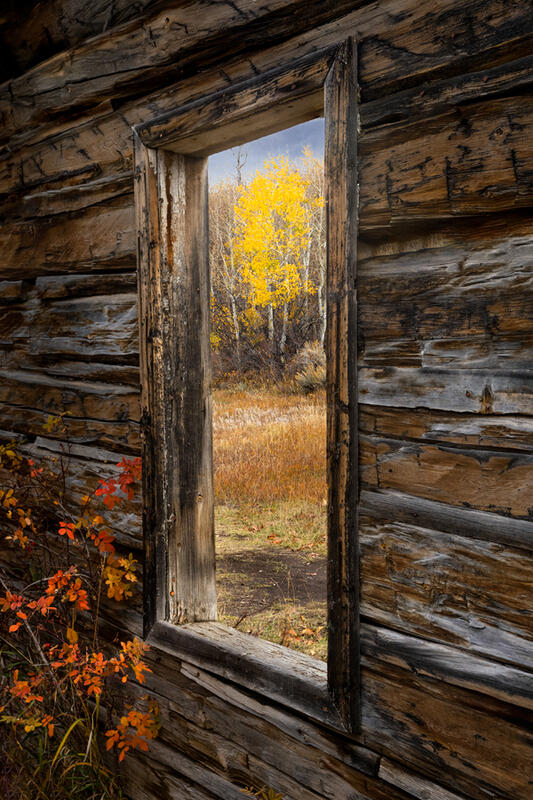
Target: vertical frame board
{"x": 173, "y": 275}
{"x": 341, "y": 181}
{"x": 173, "y": 271}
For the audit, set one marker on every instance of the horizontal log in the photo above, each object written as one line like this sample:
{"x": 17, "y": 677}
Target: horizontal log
{"x": 12, "y": 292}
{"x": 55, "y": 287}
{"x": 435, "y": 516}
{"x": 248, "y": 111}
{"x": 415, "y": 785}
{"x": 419, "y": 44}
{"x": 269, "y": 717}
{"x": 472, "y": 594}
{"x": 435, "y": 660}
{"x": 412, "y": 692}
{"x": 458, "y": 306}
{"x": 506, "y": 432}
{"x": 103, "y": 327}
{"x": 436, "y": 97}
{"x": 467, "y": 742}
{"x": 89, "y": 151}
{"x": 92, "y": 372}
{"x": 122, "y": 437}
{"x": 85, "y": 466}
{"x": 67, "y": 243}
{"x": 51, "y": 26}
{"x": 68, "y": 198}
{"x": 457, "y": 390}
{"x": 294, "y": 679}
{"x": 144, "y": 777}
{"x": 132, "y": 56}
{"x": 166, "y": 769}
{"x": 401, "y": 48}
{"x": 473, "y": 160}
{"x": 486, "y": 480}
{"x": 258, "y": 751}
{"x": 84, "y": 400}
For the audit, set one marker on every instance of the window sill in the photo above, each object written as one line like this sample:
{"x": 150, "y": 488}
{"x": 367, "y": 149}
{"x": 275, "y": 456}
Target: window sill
{"x": 292, "y": 679}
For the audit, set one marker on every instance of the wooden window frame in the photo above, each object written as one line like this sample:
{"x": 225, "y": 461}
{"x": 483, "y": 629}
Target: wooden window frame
{"x": 173, "y": 271}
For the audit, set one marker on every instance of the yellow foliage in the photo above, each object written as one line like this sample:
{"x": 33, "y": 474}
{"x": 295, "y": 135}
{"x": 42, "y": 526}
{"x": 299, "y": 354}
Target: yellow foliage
{"x": 271, "y": 220}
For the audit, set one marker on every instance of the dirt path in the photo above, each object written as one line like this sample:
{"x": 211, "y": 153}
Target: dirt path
{"x": 271, "y": 591}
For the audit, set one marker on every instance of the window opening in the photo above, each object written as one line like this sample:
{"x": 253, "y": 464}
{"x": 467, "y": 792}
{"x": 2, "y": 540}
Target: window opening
{"x": 171, "y": 199}
{"x": 268, "y": 324}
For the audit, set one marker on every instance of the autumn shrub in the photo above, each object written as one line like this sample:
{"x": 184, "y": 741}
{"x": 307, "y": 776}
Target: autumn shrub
{"x": 309, "y": 367}
{"x": 58, "y": 686}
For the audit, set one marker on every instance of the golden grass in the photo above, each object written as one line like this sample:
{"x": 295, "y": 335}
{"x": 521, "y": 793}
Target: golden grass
{"x": 269, "y": 447}
{"x": 270, "y": 490}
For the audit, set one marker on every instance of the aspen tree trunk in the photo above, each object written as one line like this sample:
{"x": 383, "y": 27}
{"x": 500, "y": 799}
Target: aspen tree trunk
{"x": 236, "y": 330}
{"x": 283, "y": 337}
{"x": 271, "y": 327}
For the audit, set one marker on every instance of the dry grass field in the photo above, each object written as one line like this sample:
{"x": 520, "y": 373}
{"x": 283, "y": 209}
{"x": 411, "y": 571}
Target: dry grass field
{"x": 270, "y": 489}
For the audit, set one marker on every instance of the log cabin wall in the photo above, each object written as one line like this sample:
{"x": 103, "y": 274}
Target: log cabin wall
{"x": 445, "y": 358}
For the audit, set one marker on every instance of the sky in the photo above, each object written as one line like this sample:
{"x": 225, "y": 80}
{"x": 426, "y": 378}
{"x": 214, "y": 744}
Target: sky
{"x": 289, "y": 142}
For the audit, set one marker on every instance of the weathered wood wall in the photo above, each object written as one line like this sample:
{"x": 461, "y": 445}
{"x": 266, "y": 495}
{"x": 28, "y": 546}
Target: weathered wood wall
{"x": 445, "y": 361}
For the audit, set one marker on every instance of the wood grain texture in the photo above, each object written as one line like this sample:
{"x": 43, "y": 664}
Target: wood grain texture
{"x": 341, "y": 196}
{"x": 445, "y": 345}
{"x": 149, "y": 53}
{"x": 66, "y": 243}
{"x": 51, "y": 26}
{"x": 486, "y": 480}
{"x": 402, "y": 46}
{"x": 451, "y": 305}
{"x": 448, "y": 733}
{"x": 175, "y": 377}
{"x": 286, "y": 96}
{"x": 401, "y": 674}
{"x": 473, "y": 594}
{"x": 458, "y": 390}
{"x": 417, "y": 786}
{"x": 406, "y": 47}
{"x": 472, "y": 160}
{"x": 468, "y": 430}
{"x": 436, "y": 516}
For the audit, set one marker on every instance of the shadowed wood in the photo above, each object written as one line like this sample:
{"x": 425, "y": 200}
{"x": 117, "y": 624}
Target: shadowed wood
{"x": 341, "y": 192}
{"x": 265, "y": 104}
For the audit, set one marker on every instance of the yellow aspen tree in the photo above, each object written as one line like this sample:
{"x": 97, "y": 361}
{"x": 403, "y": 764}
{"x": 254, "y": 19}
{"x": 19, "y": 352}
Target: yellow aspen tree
{"x": 272, "y": 230}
